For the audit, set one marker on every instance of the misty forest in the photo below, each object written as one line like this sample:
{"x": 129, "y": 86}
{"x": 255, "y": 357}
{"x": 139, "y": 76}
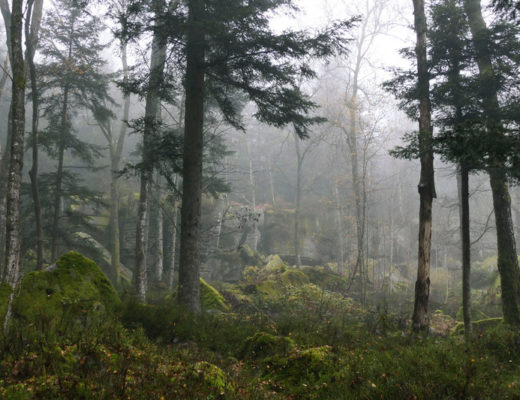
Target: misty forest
{"x": 259, "y": 199}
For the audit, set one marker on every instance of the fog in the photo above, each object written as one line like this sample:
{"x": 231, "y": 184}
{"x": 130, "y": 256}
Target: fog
{"x": 223, "y": 153}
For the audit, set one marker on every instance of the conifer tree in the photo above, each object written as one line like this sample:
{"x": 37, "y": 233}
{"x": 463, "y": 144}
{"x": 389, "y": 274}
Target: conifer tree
{"x": 72, "y": 78}
{"x": 489, "y": 85}
{"x": 474, "y": 124}
{"x": 229, "y": 47}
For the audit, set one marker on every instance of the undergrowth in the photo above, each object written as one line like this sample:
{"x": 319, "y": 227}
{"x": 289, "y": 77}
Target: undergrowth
{"x": 292, "y": 338}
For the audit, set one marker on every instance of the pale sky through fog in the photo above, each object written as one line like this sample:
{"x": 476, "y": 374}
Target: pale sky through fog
{"x": 385, "y": 53}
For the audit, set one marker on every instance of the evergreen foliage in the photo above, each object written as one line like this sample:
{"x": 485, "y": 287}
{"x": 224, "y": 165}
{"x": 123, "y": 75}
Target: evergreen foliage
{"x": 72, "y": 79}
{"x": 463, "y": 135}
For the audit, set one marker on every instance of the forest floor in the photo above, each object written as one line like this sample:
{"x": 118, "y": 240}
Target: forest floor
{"x": 281, "y": 334}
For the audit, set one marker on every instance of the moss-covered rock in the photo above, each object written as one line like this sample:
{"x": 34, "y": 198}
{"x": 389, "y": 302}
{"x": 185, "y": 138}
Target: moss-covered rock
{"x": 275, "y": 264}
{"x": 479, "y": 326}
{"x": 294, "y": 277}
{"x": 210, "y": 298}
{"x": 476, "y": 315}
{"x": 441, "y": 324}
{"x": 307, "y": 367}
{"x": 325, "y": 278}
{"x": 74, "y": 286}
{"x": 272, "y": 288}
{"x": 238, "y": 296}
{"x": 263, "y": 345}
{"x": 250, "y": 256}
{"x": 228, "y": 265}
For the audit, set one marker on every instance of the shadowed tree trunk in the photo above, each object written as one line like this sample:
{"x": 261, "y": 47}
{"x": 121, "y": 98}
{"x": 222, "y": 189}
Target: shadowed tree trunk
{"x": 507, "y": 257}
{"x": 4, "y": 165}
{"x": 189, "y": 274}
{"x": 155, "y": 242}
{"x": 173, "y": 241}
{"x": 463, "y": 183}
{"x": 14, "y": 180}
{"x": 420, "y": 318}
{"x": 59, "y": 173}
{"x": 32, "y": 25}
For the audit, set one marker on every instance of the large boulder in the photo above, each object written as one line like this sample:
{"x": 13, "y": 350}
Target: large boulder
{"x": 74, "y": 288}
{"x": 227, "y": 266}
{"x": 211, "y": 299}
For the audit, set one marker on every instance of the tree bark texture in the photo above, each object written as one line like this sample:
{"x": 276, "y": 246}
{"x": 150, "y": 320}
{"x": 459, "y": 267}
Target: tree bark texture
{"x": 32, "y": 26}
{"x": 59, "y": 176}
{"x": 189, "y": 264}
{"x": 420, "y": 318}
{"x": 463, "y": 179}
{"x": 157, "y": 62}
{"x": 116, "y": 153}
{"x": 173, "y": 244}
{"x": 14, "y": 180}
{"x": 4, "y": 164}
{"x": 156, "y": 244}
{"x": 507, "y": 257}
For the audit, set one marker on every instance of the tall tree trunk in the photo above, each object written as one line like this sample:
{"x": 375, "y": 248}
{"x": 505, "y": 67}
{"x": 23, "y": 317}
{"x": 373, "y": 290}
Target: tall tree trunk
{"x": 271, "y": 182}
{"x": 12, "y": 245}
{"x": 116, "y": 154}
{"x": 463, "y": 183}
{"x": 174, "y": 206}
{"x": 189, "y": 265}
{"x": 299, "y": 165}
{"x": 4, "y": 171}
{"x": 157, "y": 62}
{"x": 32, "y": 25}
{"x": 420, "y": 318}
{"x": 155, "y": 246}
{"x": 392, "y": 236}
{"x": 173, "y": 244}
{"x": 4, "y": 165}
{"x": 252, "y": 184}
{"x": 356, "y": 184}
{"x": 341, "y": 231}
{"x": 59, "y": 176}
{"x": 507, "y": 257}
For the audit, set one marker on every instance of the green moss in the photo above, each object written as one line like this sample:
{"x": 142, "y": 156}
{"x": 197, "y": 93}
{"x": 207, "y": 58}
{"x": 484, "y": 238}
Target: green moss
{"x": 271, "y": 288}
{"x": 263, "y": 345}
{"x": 250, "y": 274}
{"x": 212, "y": 377}
{"x": 294, "y": 277}
{"x": 75, "y": 285}
{"x": 210, "y": 298}
{"x": 326, "y": 279}
{"x": 237, "y": 296}
{"x": 479, "y": 326}
{"x": 476, "y": 315}
{"x": 275, "y": 264}
{"x": 304, "y": 367}
{"x": 5, "y": 291}
{"x": 250, "y": 256}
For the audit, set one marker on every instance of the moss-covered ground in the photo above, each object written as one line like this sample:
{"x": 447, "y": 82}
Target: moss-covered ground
{"x": 280, "y": 334}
